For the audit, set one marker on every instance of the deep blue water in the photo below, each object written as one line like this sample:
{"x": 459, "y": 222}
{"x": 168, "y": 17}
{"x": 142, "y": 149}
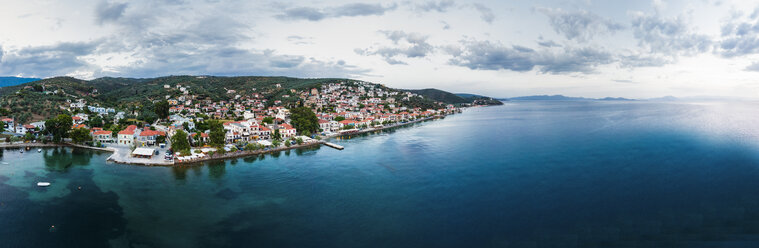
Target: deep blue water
{"x": 526, "y": 174}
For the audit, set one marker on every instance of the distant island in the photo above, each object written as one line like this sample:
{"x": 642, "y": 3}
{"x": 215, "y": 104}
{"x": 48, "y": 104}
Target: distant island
{"x": 567, "y": 98}
{"x": 655, "y": 99}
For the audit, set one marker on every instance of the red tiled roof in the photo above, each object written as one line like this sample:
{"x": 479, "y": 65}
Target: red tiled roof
{"x": 150, "y": 133}
{"x": 102, "y": 132}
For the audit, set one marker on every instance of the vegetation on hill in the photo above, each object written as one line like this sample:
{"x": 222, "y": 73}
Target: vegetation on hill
{"x": 479, "y": 99}
{"x": 139, "y": 97}
{"x": 439, "y": 95}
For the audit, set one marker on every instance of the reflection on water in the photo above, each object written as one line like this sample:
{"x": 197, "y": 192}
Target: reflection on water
{"x": 526, "y": 174}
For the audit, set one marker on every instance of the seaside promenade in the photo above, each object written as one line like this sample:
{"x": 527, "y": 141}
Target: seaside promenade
{"x": 122, "y": 154}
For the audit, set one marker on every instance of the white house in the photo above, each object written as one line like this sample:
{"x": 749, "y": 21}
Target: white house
{"x": 126, "y": 136}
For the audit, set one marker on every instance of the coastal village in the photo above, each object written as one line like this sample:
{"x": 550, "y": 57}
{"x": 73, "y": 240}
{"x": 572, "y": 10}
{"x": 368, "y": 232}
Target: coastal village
{"x": 247, "y": 124}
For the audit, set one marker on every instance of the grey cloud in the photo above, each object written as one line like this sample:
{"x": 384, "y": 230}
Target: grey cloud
{"x": 210, "y": 42}
{"x": 106, "y": 12}
{"x": 548, "y": 43}
{"x": 285, "y": 61}
{"x": 302, "y": 13}
{"x": 362, "y": 9}
{"x": 409, "y": 45}
{"x": 579, "y": 25}
{"x": 485, "y": 55}
{"x": 753, "y": 67}
{"x": 583, "y": 60}
{"x": 58, "y": 59}
{"x": 740, "y": 37}
{"x": 668, "y": 36}
{"x": 439, "y": 6}
{"x": 486, "y": 14}
{"x": 349, "y": 10}
{"x": 645, "y": 60}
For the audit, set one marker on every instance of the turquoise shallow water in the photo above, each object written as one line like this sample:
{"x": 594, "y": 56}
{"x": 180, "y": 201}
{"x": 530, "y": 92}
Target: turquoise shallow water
{"x": 526, "y": 174}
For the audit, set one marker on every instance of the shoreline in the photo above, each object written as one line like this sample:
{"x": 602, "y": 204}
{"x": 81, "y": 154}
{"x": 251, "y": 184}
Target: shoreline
{"x": 382, "y": 128}
{"x": 228, "y": 155}
{"x": 241, "y": 154}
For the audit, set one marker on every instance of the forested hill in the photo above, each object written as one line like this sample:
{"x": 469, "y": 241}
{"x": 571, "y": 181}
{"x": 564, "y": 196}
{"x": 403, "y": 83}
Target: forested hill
{"x": 42, "y": 99}
{"x": 439, "y": 95}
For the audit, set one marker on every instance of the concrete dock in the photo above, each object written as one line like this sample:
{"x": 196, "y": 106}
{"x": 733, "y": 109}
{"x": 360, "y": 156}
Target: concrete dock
{"x": 333, "y": 145}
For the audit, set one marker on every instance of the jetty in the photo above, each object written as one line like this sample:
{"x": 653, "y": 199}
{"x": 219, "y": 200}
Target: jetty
{"x": 333, "y": 145}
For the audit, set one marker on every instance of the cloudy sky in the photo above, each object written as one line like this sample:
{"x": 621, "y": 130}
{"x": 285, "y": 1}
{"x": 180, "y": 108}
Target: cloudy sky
{"x": 498, "y": 48}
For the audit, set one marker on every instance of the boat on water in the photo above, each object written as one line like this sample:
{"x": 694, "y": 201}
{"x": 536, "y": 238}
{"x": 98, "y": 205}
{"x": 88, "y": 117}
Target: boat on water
{"x": 43, "y": 184}
{"x": 39, "y": 150}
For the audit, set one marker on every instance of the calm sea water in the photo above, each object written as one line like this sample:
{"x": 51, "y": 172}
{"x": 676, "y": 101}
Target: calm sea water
{"x": 526, "y": 174}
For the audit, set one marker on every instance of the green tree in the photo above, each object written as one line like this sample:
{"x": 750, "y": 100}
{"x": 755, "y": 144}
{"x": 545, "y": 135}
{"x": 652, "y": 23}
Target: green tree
{"x": 250, "y": 147}
{"x": 268, "y": 120}
{"x": 80, "y": 135}
{"x": 28, "y": 136}
{"x": 276, "y": 143}
{"x": 304, "y": 120}
{"x": 299, "y": 141}
{"x": 96, "y": 121}
{"x": 217, "y": 134}
{"x": 148, "y": 116}
{"x": 58, "y": 127}
{"x": 277, "y": 135}
{"x": 179, "y": 141}
{"x": 339, "y": 118}
{"x": 161, "y": 109}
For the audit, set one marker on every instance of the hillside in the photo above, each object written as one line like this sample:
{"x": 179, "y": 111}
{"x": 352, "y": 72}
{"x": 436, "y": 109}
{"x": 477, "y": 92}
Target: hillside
{"x": 439, "y": 95}
{"x": 42, "y": 99}
{"x": 480, "y": 100}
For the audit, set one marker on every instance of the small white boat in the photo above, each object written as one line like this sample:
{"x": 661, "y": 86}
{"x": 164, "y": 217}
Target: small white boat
{"x": 4, "y": 163}
{"x": 39, "y": 150}
{"x": 43, "y": 184}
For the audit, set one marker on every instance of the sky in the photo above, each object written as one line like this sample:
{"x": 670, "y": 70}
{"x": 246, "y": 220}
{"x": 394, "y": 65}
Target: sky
{"x": 635, "y": 49}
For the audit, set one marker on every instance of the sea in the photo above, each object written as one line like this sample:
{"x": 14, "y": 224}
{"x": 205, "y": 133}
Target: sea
{"x": 524, "y": 174}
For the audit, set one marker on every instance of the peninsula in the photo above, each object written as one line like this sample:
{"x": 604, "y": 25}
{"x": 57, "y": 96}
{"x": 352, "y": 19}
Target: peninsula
{"x": 185, "y": 119}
